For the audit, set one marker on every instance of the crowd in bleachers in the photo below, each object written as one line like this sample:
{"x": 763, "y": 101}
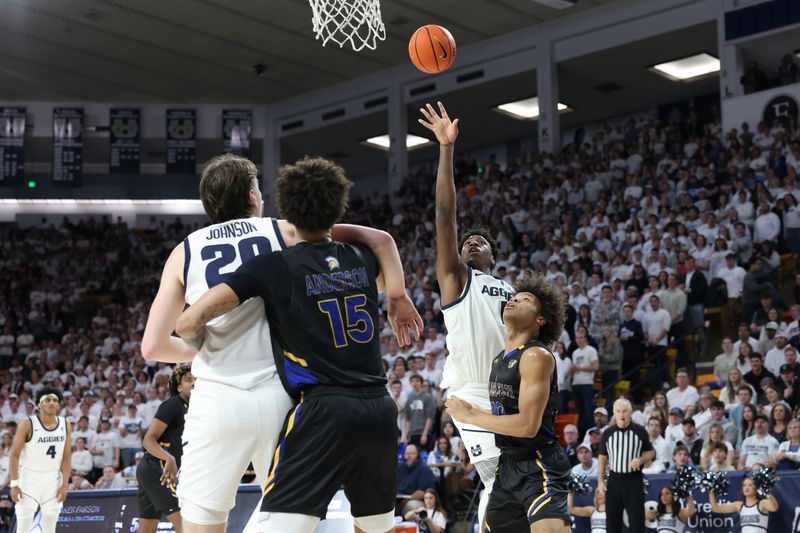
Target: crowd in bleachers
{"x": 645, "y": 227}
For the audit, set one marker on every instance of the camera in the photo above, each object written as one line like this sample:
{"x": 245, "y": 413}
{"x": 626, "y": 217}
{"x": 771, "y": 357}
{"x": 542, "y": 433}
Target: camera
{"x": 423, "y": 514}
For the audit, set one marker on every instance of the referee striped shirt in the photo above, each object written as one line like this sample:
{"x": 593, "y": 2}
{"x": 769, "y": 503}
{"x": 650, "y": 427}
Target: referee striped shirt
{"x": 623, "y": 445}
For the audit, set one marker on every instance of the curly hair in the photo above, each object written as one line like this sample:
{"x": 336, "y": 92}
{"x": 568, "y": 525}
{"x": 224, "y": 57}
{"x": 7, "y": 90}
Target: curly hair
{"x": 483, "y": 233}
{"x": 552, "y": 306}
{"x": 44, "y": 391}
{"x": 313, "y": 193}
{"x": 177, "y": 376}
{"x": 224, "y": 186}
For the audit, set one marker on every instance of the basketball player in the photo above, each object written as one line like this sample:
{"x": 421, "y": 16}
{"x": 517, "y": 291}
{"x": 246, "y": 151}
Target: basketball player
{"x": 530, "y": 492}
{"x": 472, "y": 304}
{"x": 238, "y": 403}
{"x": 40, "y": 463}
{"x": 321, "y": 300}
{"x": 157, "y": 474}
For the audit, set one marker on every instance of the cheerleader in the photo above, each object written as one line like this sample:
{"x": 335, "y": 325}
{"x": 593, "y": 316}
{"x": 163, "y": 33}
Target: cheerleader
{"x": 665, "y": 516}
{"x": 753, "y": 510}
{"x": 595, "y": 513}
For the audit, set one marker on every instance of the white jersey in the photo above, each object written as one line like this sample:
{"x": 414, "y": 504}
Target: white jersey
{"x": 475, "y": 330}
{"x": 44, "y": 450}
{"x": 752, "y": 520}
{"x": 669, "y": 523}
{"x": 237, "y": 350}
{"x": 598, "y": 522}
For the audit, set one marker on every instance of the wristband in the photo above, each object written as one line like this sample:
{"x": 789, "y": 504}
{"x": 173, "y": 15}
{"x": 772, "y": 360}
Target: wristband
{"x": 14, "y": 483}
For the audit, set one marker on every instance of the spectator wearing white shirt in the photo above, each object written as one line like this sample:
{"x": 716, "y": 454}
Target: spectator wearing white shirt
{"x": 733, "y": 276}
{"x": 585, "y": 365}
{"x": 776, "y": 357}
{"x": 431, "y": 372}
{"x": 110, "y": 480}
{"x": 767, "y": 226}
{"x": 83, "y": 431}
{"x": 758, "y": 448}
{"x": 684, "y": 395}
{"x": 656, "y": 324}
{"x": 587, "y": 465}
{"x": 662, "y": 448}
{"x": 563, "y": 366}
{"x": 82, "y": 462}
{"x": 673, "y": 433}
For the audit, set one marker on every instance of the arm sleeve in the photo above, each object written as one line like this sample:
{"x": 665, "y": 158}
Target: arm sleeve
{"x": 255, "y": 277}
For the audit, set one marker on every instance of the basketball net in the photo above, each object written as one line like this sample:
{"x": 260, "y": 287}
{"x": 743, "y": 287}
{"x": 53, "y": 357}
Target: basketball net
{"x": 355, "y": 21}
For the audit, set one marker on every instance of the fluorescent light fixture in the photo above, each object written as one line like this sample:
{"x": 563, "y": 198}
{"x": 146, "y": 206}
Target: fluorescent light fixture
{"x": 690, "y": 68}
{"x": 527, "y": 109}
{"x": 413, "y": 142}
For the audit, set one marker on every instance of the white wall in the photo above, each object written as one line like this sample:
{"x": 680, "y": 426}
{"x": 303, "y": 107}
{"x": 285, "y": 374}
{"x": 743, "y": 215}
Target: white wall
{"x": 750, "y": 108}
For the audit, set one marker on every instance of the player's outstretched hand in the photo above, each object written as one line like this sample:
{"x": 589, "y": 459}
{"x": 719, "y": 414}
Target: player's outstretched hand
{"x": 16, "y": 494}
{"x": 446, "y": 130}
{"x": 404, "y": 320}
{"x": 458, "y": 408}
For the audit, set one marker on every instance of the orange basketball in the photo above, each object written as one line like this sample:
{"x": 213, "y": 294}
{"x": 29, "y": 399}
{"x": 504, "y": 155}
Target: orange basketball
{"x": 432, "y": 49}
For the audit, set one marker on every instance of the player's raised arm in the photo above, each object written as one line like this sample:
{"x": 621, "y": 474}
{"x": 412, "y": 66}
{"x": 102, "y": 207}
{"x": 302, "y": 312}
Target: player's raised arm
{"x": 211, "y": 305}
{"x": 451, "y": 271}
{"x": 158, "y": 344}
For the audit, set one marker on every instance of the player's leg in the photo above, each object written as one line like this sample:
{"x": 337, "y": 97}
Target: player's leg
{"x": 546, "y": 490}
{"x": 483, "y": 453}
{"x": 505, "y": 511}
{"x": 220, "y": 438}
{"x": 487, "y": 470}
{"x": 372, "y": 497}
{"x": 149, "y": 484}
{"x": 177, "y": 523}
{"x": 148, "y": 525}
{"x": 273, "y": 407}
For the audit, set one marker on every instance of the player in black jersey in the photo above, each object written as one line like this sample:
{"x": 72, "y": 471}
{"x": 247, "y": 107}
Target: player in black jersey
{"x": 321, "y": 300}
{"x": 157, "y": 473}
{"x": 530, "y": 493}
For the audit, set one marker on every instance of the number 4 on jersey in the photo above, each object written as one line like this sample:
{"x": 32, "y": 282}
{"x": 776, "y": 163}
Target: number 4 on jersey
{"x": 51, "y": 451}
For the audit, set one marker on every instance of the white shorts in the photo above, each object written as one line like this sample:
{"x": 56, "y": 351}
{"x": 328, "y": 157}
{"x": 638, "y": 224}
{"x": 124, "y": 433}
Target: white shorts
{"x": 226, "y": 429}
{"x": 39, "y": 489}
{"x": 479, "y": 442}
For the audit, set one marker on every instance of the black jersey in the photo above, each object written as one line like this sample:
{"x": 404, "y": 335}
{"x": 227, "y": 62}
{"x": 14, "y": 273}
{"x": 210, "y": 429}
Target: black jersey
{"x": 321, "y": 301}
{"x": 504, "y": 382}
{"x": 171, "y": 412}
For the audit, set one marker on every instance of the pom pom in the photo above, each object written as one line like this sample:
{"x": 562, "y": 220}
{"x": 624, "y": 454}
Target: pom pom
{"x": 764, "y": 480}
{"x": 716, "y": 482}
{"x": 686, "y": 479}
{"x": 579, "y": 485}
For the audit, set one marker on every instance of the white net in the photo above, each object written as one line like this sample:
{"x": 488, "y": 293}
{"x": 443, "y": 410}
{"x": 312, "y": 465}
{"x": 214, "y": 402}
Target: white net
{"x": 355, "y": 21}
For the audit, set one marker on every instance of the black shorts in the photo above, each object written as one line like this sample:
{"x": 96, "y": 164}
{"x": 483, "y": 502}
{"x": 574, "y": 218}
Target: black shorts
{"x": 527, "y": 490}
{"x": 155, "y": 499}
{"x": 336, "y": 437}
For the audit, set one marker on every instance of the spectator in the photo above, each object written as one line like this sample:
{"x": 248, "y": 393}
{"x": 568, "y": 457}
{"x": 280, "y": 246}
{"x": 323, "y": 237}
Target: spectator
{"x": 733, "y": 276}
{"x": 759, "y": 448}
{"x": 714, "y": 436}
{"x": 788, "y": 72}
{"x": 673, "y": 300}
{"x": 131, "y": 430}
{"x": 724, "y": 362}
{"x": 563, "y": 366}
{"x": 587, "y": 465}
{"x": 680, "y": 459}
{"x": 683, "y": 395}
{"x": 571, "y": 446}
{"x": 105, "y": 449}
{"x": 400, "y": 399}
{"x": 729, "y": 393}
{"x": 758, "y": 373}
{"x": 610, "y": 356}
{"x": 755, "y": 284}
{"x": 413, "y": 479}
{"x": 776, "y": 356}
{"x": 691, "y": 440}
{"x": 595, "y": 436}
{"x": 696, "y": 286}
{"x": 788, "y": 456}
{"x": 82, "y": 462}
{"x": 585, "y": 364}
{"x": 631, "y": 336}
{"x": 600, "y": 422}
{"x": 434, "y": 519}
{"x": 660, "y": 445}
{"x": 717, "y": 417}
{"x": 779, "y": 418}
{"x": 110, "y": 480}
{"x": 788, "y": 382}
{"x": 79, "y": 482}
{"x": 420, "y": 412}
{"x": 674, "y": 430}
{"x": 605, "y": 313}
{"x": 431, "y": 373}
{"x": 719, "y": 459}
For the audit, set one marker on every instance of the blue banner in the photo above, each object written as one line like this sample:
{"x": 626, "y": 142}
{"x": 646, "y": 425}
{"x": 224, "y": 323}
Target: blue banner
{"x": 786, "y": 520}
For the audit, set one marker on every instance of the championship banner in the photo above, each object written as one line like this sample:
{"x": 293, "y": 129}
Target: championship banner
{"x": 181, "y": 141}
{"x": 67, "y": 145}
{"x": 786, "y": 520}
{"x": 124, "y": 140}
{"x": 237, "y": 128}
{"x": 12, "y": 145}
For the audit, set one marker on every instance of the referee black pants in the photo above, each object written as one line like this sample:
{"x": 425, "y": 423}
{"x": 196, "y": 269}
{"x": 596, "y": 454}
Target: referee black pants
{"x": 625, "y": 491}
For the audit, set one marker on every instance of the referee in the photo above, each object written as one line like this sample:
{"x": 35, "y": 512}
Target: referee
{"x": 624, "y": 449}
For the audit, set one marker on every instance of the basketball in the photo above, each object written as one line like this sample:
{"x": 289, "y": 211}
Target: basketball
{"x": 432, "y": 49}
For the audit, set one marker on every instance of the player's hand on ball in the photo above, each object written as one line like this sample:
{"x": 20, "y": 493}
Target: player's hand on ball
{"x": 16, "y": 494}
{"x": 458, "y": 408}
{"x": 446, "y": 130}
{"x": 403, "y": 316}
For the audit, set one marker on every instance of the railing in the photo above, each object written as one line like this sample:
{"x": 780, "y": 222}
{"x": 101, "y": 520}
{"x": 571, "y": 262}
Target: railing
{"x": 659, "y": 355}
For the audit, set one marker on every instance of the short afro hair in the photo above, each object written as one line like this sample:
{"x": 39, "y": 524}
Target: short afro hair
{"x": 312, "y": 194}
{"x": 552, "y": 306}
{"x": 44, "y": 391}
{"x": 483, "y": 232}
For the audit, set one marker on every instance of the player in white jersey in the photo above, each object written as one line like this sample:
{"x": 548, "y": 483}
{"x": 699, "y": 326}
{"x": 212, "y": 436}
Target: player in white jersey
{"x": 595, "y": 513}
{"x": 668, "y": 515}
{"x": 753, "y": 510}
{"x": 238, "y": 404}
{"x": 40, "y": 463}
{"x": 472, "y": 304}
